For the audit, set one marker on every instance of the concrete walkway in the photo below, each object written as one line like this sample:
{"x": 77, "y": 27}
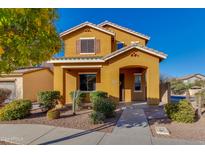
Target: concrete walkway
{"x": 131, "y": 129}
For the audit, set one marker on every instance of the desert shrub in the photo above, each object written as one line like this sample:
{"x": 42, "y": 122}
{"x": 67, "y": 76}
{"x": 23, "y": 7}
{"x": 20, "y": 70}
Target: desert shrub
{"x": 48, "y": 99}
{"x": 80, "y": 97}
{"x": 4, "y": 94}
{"x": 180, "y": 112}
{"x": 53, "y": 114}
{"x": 97, "y": 117}
{"x": 17, "y": 109}
{"x": 105, "y": 106}
{"x": 96, "y": 95}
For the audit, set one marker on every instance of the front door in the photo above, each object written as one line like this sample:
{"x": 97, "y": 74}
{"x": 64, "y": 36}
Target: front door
{"x": 122, "y": 87}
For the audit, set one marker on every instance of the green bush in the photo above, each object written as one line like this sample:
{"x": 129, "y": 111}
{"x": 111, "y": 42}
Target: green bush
{"x": 48, "y": 99}
{"x": 97, "y": 117}
{"x": 4, "y": 94}
{"x": 97, "y": 94}
{"x": 105, "y": 106}
{"x": 17, "y": 109}
{"x": 80, "y": 98}
{"x": 180, "y": 112}
{"x": 53, "y": 114}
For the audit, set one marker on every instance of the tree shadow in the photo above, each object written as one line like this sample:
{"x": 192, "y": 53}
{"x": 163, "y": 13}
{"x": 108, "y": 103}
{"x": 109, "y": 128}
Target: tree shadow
{"x": 107, "y": 124}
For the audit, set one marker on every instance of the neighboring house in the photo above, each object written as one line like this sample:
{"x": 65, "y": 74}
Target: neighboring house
{"x": 110, "y": 58}
{"x": 27, "y": 82}
{"x": 192, "y": 78}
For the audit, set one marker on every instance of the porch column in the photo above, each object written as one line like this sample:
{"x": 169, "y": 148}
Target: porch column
{"x": 153, "y": 97}
{"x": 59, "y": 79}
{"x": 71, "y": 80}
{"x": 114, "y": 84}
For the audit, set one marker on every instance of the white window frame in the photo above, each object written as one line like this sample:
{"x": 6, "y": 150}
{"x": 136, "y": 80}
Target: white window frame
{"x": 88, "y": 38}
{"x": 138, "y": 74}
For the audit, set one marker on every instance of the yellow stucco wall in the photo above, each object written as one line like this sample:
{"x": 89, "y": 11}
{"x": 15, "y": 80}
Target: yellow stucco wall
{"x": 34, "y": 82}
{"x": 125, "y": 37}
{"x": 110, "y": 75}
{"x": 65, "y": 81}
{"x": 70, "y": 42}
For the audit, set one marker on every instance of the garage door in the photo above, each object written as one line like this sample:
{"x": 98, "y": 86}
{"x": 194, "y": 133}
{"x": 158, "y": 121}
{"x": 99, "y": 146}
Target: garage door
{"x": 11, "y": 86}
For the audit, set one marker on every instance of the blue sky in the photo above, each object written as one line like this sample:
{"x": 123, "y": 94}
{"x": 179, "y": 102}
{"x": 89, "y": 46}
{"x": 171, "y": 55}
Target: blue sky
{"x": 180, "y": 33}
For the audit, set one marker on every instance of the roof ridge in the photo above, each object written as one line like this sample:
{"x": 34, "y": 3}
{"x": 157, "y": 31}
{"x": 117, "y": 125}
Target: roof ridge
{"x": 125, "y": 28}
{"x": 148, "y": 48}
{"x": 153, "y": 51}
{"x": 84, "y": 24}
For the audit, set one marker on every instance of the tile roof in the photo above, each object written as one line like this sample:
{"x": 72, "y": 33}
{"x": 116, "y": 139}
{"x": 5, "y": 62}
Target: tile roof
{"x": 138, "y": 46}
{"x": 109, "y": 56}
{"x": 125, "y": 29}
{"x": 22, "y": 71}
{"x": 75, "y": 59}
{"x": 191, "y": 75}
{"x": 86, "y": 24}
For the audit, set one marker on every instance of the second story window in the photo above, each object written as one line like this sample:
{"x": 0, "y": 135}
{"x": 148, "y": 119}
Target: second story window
{"x": 120, "y": 45}
{"x": 88, "y": 45}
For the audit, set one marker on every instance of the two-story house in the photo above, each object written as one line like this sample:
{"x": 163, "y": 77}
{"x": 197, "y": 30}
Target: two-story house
{"x": 110, "y": 58}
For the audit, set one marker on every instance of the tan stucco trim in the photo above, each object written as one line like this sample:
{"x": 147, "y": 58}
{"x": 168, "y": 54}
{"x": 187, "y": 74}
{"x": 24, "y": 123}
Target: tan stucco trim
{"x": 81, "y": 66}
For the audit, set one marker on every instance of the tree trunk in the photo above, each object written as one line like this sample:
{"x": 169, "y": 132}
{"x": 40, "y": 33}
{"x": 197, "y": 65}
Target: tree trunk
{"x": 188, "y": 96}
{"x": 199, "y": 103}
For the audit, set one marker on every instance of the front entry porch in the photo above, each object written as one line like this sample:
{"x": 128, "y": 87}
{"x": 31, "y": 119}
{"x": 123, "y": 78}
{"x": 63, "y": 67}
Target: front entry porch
{"x": 132, "y": 84}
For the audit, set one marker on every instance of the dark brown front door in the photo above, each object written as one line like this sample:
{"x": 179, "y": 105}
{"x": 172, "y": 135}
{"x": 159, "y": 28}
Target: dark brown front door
{"x": 122, "y": 87}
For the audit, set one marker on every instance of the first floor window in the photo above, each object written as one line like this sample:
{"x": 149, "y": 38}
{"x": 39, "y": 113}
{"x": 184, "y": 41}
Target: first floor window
{"x": 87, "y": 82}
{"x": 138, "y": 82}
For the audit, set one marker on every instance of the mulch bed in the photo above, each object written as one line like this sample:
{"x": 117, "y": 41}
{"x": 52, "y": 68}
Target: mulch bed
{"x": 80, "y": 121}
{"x": 189, "y": 131}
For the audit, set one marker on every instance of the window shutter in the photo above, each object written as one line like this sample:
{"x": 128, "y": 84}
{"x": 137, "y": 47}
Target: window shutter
{"x": 78, "y": 46}
{"x": 97, "y": 46}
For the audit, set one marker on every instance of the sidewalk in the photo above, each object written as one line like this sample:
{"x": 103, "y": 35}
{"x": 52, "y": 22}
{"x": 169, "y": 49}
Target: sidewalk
{"x": 131, "y": 129}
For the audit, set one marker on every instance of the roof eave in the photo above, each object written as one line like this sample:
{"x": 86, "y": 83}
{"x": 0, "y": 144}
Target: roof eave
{"x": 83, "y": 25}
{"x": 122, "y": 28}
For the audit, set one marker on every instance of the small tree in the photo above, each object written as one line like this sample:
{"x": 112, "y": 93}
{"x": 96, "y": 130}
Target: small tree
{"x": 200, "y": 101}
{"x": 199, "y": 83}
{"x": 187, "y": 87}
{"x": 28, "y": 37}
{"x": 178, "y": 87}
